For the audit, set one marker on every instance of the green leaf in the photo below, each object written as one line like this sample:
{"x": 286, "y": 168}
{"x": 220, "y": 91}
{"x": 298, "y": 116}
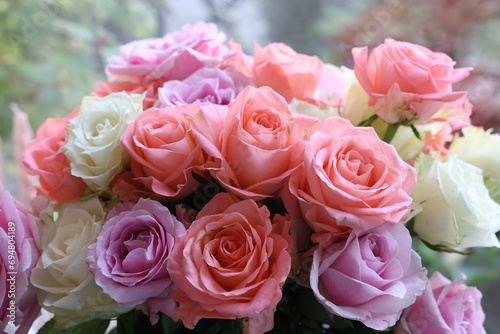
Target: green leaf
{"x": 126, "y": 323}
{"x": 95, "y": 326}
{"x": 415, "y": 131}
{"x": 47, "y": 327}
{"x": 170, "y": 326}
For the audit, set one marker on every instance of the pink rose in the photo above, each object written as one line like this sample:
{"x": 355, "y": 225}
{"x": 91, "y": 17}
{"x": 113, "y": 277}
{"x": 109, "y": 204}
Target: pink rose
{"x": 150, "y": 88}
{"x": 206, "y": 86}
{"x": 259, "y": 133}
{"x": 229, "y": 264}
{"x": 445, "y": 307}
{"x": 407, "y": 82}
{"x": 350, "y": 179}
{"x": 291, "y": 74}
{"x": 173, "y": 57}
{"x": 163, "y": 155}
{"x": 43, "y": 157}
{"x": 371, "y": 276}
{"x": 19, "y": 253}
{"x": 129, "y": 259}
{"x": 237, "y": 60}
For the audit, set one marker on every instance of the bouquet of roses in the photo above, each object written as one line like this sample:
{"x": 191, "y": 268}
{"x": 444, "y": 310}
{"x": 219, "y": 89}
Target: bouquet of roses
{"x": 203, "y": 189}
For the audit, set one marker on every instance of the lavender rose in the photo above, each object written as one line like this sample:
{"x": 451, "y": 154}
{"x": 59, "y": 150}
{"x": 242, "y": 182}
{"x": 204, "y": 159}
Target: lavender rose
{"x": 19, "y": 253}
{"x": 172, "y": 57}
{"x": 445, "y": 307}
{"x": 208, "y": 85}
{"x": 129, "y": 259}
{"x": 371, "y": 276}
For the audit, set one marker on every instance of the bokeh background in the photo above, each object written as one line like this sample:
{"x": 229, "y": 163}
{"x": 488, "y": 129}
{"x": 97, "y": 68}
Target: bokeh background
{"x": 53, "y": 52}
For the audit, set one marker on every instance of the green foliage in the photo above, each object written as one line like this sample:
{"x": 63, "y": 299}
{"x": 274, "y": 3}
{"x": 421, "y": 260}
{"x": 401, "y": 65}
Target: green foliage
{"x": 53, "y": 52}
{"x": 96, "y": 326}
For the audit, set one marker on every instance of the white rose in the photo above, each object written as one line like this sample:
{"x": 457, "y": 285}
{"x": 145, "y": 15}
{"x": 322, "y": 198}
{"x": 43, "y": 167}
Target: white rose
{"x": 457, "y": 211}
{"x": 479, "y": 148}
{"x": 66, "y": 286}
{"x": 93, "y": 143}
{"x": 355, "y": 106}
{"x": 319, "y": 110}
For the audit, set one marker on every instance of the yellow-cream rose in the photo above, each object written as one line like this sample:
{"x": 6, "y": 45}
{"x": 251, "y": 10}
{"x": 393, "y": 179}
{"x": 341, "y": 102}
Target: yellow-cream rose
{"x": 93, "y": 142}
{"x": 66, "y": 286}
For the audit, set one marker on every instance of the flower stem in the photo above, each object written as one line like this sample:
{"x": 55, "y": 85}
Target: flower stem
{"x": 390, "y": 132}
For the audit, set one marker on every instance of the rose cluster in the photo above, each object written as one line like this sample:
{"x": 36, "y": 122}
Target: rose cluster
{"x": 200, "y": 180}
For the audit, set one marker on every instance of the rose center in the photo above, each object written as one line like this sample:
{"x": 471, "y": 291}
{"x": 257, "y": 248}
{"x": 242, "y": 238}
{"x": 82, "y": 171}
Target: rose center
{"x": 102, "y": 128}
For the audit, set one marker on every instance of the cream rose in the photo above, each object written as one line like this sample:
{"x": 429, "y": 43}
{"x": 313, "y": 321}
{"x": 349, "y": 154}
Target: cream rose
{"x": 479, "y": 147}
{"x": 93, "y": 142}
{"x": 355, "y": 107}
{"x": 66, "y": 286}
{"x": 314, "y": 109}
{"x": 457, "y": 211}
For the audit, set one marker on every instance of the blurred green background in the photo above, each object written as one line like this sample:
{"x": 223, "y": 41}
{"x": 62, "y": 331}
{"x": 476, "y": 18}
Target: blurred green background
{"x": 53, "y": 52}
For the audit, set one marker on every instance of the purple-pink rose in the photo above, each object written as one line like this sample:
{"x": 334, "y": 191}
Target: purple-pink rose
{"x": 129, "y": 259}
{"x": 445, "y": 307}
{"x": 172, "y": 57}
{"x": 371, "y": 276}
{"x": 206, "y": 86}
{"x": 19, "y": 253}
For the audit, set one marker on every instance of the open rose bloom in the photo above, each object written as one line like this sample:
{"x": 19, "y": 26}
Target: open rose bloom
{"x": 201, "y": 187}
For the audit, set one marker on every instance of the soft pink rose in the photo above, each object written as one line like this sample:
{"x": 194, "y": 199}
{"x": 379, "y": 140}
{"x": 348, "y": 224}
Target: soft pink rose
{"x": 229, "y": 264}
{"x": 150, "y": 88}
{"x": 331, "y": 87}
{"x": 349, "y": 179}
{"x": 407, "y": 82}
{"x": 129, "y": 259}
{"x": 237, "y": 60}
{"x": 43, "y": 157}
{"x": 19, "y": 253}
{"x": 257, "y": 144}
{"x": 457, "y": 113}
{"x": 291, "y": 74}
{"x": 445, "y": 307}
{"x": 172, "y": 57}
{"x": 163, "y": 155}
{"x": 371, "y": 276}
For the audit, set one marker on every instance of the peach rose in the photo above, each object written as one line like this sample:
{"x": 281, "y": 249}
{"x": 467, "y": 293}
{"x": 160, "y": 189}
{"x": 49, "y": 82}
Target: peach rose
{"x": 350, "y": 179}
{"x": 407, "y": 82}
{"x": 258, "y": 133}
{"x": 291, "y": 74}
{"x": 150, "y": 88}
{"x": 229, "y": 264}
{"x": 163, "y": 154}
{"x": 43, "y": 157}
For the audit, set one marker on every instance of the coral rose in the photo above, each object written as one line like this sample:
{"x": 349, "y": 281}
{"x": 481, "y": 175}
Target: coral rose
{"x": 350, "y": 179}
{"x": 163, "y": 155}
{"x": 229, "y": 264}
{"x": 258, "y": 133}
{"x": 150, "y": 88}
{"x": 43, "y": 157}
{"x": 291, "y": 74}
